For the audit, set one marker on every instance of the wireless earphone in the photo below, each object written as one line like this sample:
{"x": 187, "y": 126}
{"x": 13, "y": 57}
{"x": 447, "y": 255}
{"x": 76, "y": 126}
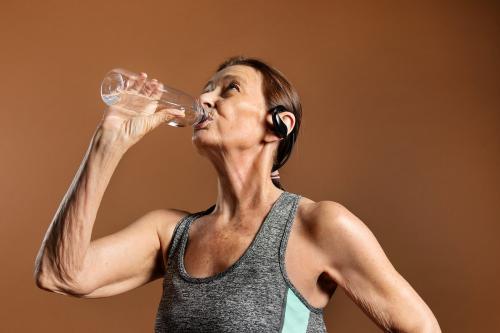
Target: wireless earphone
{"x": 279, "y": 126}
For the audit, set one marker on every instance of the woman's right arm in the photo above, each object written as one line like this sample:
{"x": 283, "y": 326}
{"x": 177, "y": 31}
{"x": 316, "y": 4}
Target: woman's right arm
{"x": 68, "y": 262}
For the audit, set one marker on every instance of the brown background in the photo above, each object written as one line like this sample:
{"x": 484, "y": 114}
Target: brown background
{"x": 401, "y": 125}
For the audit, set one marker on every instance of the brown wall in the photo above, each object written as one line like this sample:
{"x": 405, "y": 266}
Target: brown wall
{"x": 401, "y": 125}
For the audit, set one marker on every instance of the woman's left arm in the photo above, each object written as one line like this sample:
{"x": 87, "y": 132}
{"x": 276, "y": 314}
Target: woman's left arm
{"x": 357, "y": 263}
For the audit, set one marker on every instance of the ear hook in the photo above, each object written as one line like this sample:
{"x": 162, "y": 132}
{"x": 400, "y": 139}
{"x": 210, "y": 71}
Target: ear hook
{"x": 279, "y": 126}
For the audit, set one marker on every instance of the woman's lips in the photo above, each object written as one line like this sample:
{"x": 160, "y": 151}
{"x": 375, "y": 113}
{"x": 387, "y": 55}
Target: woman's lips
{"x": 203, "y": 124}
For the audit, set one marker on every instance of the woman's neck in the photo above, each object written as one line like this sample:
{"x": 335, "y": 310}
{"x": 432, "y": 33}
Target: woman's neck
{"x": 244, "y": 185}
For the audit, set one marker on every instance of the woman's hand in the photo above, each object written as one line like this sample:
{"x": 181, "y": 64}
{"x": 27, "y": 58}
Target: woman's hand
{"x": 136, "y": 114}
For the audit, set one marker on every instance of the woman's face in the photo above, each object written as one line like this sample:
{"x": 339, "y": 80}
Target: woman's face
{"x": 234, "y": 96}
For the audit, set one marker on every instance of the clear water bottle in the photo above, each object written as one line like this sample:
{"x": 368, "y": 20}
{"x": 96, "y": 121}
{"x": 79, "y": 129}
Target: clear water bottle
{"x": 116, "y": 85}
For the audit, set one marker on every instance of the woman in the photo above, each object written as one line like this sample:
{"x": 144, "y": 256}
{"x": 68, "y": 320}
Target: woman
{"x": 260, "y": 258}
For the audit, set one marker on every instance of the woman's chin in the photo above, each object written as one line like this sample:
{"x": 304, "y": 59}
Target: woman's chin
{"x": 203, "y": 144}
{"x": 201, "y": 139}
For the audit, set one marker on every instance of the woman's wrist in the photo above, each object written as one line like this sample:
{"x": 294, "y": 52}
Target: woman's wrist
{"x": 108, "y": 143}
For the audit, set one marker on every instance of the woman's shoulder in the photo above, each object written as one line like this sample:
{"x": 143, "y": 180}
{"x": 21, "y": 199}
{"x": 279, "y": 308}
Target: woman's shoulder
{"x": 170, "y": 218}
{"x": 311, "y": 209}
{"x": 318, "y": 216}
{"x": 326, "y": 220}
{"x": 167, "y": 220}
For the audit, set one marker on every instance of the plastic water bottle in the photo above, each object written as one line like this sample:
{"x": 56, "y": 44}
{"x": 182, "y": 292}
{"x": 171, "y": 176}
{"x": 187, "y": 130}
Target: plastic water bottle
{"x": 116, "y": 86}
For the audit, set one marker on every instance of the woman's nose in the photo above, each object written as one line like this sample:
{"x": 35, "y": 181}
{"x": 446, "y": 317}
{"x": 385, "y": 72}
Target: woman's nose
{"x": 207, "y": 100}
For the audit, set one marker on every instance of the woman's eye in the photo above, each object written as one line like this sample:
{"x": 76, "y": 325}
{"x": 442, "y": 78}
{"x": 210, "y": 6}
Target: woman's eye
{"x": 233, "y": 85}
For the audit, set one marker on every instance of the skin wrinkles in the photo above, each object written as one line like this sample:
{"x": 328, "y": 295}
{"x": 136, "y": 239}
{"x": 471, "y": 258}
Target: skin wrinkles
{"x": 380, "y": 318}
{"x": 238, "y": 141}
{"x": 211, "y": 84}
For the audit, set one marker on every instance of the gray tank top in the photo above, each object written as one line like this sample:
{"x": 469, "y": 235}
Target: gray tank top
{"x": 252, "y": 295}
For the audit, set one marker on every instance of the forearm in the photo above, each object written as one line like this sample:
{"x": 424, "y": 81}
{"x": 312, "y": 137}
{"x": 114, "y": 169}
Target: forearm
{"x": 62, "y": 255}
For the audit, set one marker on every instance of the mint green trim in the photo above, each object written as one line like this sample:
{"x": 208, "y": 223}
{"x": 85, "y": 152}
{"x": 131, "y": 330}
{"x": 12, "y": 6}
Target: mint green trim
{"x": 296, "y": 314}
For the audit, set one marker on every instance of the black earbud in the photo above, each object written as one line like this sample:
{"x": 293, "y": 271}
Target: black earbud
{"x": 279, "y": 126}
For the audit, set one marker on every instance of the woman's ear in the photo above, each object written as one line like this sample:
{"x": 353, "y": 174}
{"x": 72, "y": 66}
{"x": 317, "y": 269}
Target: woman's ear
{"x": 286, "y": 117}
{"x": 289, "y": 119}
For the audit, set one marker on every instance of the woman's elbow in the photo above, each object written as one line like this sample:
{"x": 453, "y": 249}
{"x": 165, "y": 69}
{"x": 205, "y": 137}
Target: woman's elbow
{"x": 425, "y": 324}
{"x": 430, "y": 326}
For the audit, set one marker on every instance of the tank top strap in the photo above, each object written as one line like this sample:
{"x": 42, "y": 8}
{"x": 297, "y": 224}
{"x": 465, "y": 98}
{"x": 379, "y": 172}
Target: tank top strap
{"x": 275, "y": 224}
{"x": 180, "y": 228}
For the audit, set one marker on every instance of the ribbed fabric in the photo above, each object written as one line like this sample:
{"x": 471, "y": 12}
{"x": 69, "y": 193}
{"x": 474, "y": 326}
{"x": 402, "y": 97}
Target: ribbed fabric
{"x": 252, "y": 295}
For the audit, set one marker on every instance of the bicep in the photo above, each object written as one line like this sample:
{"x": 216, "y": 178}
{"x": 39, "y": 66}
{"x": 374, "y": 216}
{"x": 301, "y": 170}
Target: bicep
{"x": 363, "y": 271}
{"x": 128, "y": 258}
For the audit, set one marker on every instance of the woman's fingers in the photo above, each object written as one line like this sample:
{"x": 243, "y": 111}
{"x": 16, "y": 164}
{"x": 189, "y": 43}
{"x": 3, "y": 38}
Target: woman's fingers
{"x": 174, "y": 112}
{"x": 136, "y": 84}
{"x": 148, "y": 88}
{"x": 151, "y": 88}
{"x": 157, "y": 91}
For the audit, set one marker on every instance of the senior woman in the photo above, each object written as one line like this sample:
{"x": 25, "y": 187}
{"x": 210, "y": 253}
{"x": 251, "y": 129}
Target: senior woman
{"x": 260, "y": 259}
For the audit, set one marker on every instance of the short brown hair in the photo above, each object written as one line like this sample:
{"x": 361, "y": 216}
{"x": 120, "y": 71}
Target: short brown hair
{"x": 277, "y": 90}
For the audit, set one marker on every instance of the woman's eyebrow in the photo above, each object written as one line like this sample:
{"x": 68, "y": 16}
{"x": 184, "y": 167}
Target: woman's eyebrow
{"x": 225, "y": 77}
